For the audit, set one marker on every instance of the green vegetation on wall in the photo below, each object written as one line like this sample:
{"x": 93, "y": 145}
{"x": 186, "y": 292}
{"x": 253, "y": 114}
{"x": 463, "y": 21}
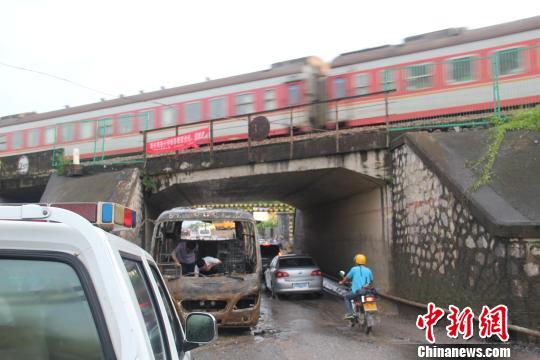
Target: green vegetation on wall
{"x": 528, "y": 119}
{"x": 60, "y": 164}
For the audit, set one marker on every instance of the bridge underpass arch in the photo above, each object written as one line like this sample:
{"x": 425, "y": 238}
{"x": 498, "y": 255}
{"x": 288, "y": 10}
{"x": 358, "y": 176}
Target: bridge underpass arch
{"x": 341, "y": 203}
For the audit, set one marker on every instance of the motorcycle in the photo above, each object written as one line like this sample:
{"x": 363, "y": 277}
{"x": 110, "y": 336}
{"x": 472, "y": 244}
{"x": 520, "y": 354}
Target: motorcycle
{"x": 364, "y": 308}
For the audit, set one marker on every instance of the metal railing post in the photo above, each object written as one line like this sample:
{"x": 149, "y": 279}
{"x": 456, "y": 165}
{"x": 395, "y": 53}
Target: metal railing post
{"x": 95, "y": 141}
{"x": 337, "y": 125}
{"x": 211, "y": 141}
{"x": 386, "y": 119}
{"x": 249, "y": 136}
{"x": 495, "y": 76}
{"x": 54, "y": 162}
{"x": 291, "y": 135}
{"x": 176, "y": 133}
{"x": 144, "y": 146}
{"x": 103, "y": 129}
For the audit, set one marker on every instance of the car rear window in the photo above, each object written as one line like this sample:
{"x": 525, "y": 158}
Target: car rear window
{"x": 296, "y": 262}
{"x": 269, "y": 251}
{"x": 45, "y": 313}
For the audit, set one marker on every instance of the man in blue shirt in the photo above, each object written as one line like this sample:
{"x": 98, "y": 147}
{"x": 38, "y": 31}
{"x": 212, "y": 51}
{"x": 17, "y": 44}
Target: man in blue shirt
{"x": 361, "y": 276}
{"x": 185, "y": 255}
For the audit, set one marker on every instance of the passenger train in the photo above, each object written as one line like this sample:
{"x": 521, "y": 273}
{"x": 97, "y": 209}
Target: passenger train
{"x": 452, "y": 71}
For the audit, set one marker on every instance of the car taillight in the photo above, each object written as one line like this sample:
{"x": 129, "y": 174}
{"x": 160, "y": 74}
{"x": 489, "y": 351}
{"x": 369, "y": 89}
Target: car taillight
{"x": 316, "y": 273}
{"x": 282, "y": 274}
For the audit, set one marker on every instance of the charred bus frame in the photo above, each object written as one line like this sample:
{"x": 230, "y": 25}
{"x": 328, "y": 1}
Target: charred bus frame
{"x": 232, "y": 292}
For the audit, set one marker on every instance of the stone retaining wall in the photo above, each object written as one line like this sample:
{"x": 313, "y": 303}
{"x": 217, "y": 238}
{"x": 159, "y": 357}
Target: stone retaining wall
{"x": 442, "y": 254}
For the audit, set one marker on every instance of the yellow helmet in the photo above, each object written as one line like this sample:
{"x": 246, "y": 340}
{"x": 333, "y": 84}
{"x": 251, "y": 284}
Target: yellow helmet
{"x": 360, "y": 259}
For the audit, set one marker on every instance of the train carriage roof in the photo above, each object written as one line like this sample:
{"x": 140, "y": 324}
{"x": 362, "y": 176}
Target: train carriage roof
{"x": 436, "y": 40}
{"x": 288, "y": 67}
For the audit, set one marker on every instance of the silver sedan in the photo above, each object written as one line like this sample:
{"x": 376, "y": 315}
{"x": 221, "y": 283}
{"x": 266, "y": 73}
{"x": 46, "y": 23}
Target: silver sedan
{"x": 293, "y": 274}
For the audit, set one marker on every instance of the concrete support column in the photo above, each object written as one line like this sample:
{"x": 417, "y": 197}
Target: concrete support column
{"x": 334, "y": 232}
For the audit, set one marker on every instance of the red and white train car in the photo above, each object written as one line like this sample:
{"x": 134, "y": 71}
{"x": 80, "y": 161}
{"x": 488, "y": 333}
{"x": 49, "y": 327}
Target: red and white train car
{"x": 445, "y": 72}
{"x": 113, "y": 127}
{"x": 442, "y": 73}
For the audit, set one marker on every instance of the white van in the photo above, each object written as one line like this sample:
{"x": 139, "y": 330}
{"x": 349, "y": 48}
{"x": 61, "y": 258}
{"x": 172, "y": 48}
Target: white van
{"x": 69, "y": 290}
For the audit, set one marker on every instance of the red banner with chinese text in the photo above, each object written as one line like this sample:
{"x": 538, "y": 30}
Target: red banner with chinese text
{"x": 180, "y": 142}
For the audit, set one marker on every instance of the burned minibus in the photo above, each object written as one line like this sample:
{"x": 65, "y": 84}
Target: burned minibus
{"x": 230, "y": 289}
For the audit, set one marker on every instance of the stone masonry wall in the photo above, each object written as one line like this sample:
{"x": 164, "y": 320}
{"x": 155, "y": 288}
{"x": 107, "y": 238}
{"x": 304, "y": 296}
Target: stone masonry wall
{"x": 442, "y": 254}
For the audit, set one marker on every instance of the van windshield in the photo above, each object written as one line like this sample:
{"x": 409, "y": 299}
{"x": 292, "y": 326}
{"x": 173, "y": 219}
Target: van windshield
{"x": 208, "y": 230}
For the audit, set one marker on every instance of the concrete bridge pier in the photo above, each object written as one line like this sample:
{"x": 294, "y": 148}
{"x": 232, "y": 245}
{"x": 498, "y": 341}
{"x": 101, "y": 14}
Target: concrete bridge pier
{"x": 334, "y": 232}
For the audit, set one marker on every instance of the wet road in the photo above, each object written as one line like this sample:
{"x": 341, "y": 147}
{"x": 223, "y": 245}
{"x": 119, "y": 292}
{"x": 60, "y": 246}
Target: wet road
{"x": 304, "y": 328}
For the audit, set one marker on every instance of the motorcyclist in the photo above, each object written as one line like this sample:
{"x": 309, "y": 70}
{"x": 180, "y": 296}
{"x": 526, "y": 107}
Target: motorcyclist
{"x": 361, "y": 277}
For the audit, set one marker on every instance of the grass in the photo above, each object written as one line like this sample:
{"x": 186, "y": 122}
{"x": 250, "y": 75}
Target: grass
{"x": 528, "y": 120}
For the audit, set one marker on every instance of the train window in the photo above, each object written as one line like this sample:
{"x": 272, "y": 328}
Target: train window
{"x": 362, "y": 84}
{"x": 193, "y": 112}
{"x": 50, "y": 136}
{"x": 17, "y": 140}
{"x": 147, "y": 120}
{"x": 68, "y": 132}
{"x": 3, "y": 143}
{"x": 340, "y": 89}
{"x": 460, "y": 69}
{"x": 87, "y": 130}
{"x": 270, "y": 99}
{"x": 244, "y": 104}
{"x": 387, "y": 80}
{"x": 168, "y": 116}
{"x": 33, "y": 137}
{"x": 218, "y": 108}
{"x": 294, "y": 94}
{"x": 125, "y": 124}
{"x": 510, "y": 61}
{"x": 419, "y": 76}
{"x": 105, "y": 127}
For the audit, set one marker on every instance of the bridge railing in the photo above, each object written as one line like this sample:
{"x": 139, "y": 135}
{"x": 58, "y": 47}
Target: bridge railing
{"x": 287, "y": 124}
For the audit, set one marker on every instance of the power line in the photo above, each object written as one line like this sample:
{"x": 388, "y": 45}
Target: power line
{"x": 55, "y": 77}
{"x": 70, "y": 81}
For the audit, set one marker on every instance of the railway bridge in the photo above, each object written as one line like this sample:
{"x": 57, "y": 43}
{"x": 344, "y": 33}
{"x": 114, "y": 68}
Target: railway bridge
{"x": 405, "y": 201}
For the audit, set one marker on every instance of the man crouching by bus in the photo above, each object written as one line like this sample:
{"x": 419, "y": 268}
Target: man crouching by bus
{"x": 205, "y": 266}
{"x": 185, "y": 255}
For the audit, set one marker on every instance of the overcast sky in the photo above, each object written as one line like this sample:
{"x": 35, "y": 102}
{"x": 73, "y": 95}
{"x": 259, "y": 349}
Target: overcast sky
{"x": 121, "y": 47}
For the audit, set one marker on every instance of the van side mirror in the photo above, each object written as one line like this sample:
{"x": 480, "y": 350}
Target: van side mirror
{"x": 201, "y": 328}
